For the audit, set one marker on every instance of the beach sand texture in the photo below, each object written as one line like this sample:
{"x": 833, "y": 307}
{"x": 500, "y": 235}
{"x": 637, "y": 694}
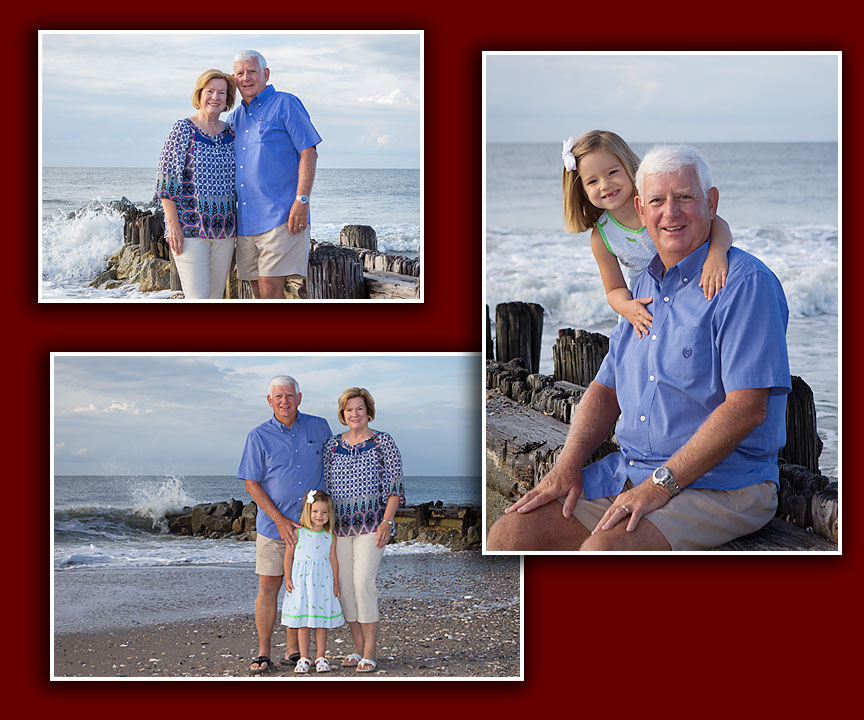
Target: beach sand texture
{"x": 475, "y": 634}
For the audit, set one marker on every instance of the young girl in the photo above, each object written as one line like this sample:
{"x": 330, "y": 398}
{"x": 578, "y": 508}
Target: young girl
{"x": 312, "y": 580}
{"x": 599, "y": 186}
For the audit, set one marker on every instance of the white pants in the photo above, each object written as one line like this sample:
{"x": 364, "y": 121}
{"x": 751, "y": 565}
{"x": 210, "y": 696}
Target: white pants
{"x": 203, "y": 266}
{"x": 359, "y": 559}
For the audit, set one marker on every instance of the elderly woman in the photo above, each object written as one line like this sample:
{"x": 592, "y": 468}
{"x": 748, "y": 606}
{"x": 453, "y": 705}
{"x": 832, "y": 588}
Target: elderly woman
{"x": 363, "y": 472}
{"x": 195, "y": 183}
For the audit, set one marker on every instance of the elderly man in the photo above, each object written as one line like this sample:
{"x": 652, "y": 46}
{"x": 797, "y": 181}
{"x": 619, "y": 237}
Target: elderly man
{"x": 281, "y": 463}
{"x": 701, "y": 398}
{"x": 275, "y": 156}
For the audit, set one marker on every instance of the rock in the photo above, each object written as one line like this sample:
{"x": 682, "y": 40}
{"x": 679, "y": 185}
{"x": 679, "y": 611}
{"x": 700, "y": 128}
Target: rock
{"x": 154, "y": 274}
{"x": 247, "y": 517}
{"x": 181, "y": 524}
{"x": 127, "y": 262}
{"x": 102, "y": 279}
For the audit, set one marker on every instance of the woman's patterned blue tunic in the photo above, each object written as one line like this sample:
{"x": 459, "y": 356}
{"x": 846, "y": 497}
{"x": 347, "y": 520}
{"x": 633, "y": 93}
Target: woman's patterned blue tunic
{"x": 196, "y": 171}
{"x": 360, "y": 479}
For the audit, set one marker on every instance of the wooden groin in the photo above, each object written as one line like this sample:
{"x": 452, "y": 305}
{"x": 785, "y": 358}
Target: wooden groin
{"x": 455, "y": 526}
{"x": 343, "y": 271}
{"x": 527, "y": 418}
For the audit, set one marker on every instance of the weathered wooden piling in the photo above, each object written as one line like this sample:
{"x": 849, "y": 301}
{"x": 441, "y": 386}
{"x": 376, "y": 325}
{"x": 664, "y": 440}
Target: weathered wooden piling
{"x": 354, "y": 269}
{"x": 803, "y": 444}
{"x": 359, "y": 236}
{"x": 577, "y": 354}
{"x": 519, "y": 332}
{"x": 334, "y": 272}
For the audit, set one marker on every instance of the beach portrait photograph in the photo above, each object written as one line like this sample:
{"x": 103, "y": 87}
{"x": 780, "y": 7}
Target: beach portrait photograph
{"x": 274, "y": 516}
{"x": 230, "y": 165}
{"x": 662, "y": 286}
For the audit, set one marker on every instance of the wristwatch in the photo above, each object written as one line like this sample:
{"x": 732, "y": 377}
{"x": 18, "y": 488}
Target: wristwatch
{"x": 303, "y": 199}
{"x": 662, "y": 476}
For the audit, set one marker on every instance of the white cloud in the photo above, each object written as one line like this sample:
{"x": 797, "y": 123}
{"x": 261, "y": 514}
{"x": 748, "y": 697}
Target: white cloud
{"x": 394, "y": 97}
{"x": 87, "y": 409}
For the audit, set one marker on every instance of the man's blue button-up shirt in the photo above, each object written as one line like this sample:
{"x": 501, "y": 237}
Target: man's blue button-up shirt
{"x": 668, "y": 382}
{"x": 271, "y": 131}
{"x": 288, "y": 462}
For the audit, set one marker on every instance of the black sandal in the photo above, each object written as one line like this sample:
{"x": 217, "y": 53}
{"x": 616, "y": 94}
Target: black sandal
{"x": 290, "y": 660}
{"x": 259, "y": 661}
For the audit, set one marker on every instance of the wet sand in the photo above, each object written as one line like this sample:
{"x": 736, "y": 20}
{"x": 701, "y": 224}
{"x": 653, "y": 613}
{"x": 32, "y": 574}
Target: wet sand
{"x": 475, "y": 634}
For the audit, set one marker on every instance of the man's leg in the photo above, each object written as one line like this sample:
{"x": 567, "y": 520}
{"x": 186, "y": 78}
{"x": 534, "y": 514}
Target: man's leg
{"x": 265, "y": 611}
{"x": 269, "y": 288}
{"x": 545, "y": 528}
{"x": 646, "y": 536}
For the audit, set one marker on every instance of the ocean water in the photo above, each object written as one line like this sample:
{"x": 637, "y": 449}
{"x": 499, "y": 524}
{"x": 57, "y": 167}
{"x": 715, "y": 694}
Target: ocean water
{"x": 116, "y": 565}
{"x": 120, "y": 522}
{"x": 780, "y": 199}
{"x": 79, "y": 230}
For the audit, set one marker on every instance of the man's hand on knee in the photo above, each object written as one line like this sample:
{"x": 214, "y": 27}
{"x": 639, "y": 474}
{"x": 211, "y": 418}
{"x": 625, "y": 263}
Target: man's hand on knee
{"x": 557, "y": 483}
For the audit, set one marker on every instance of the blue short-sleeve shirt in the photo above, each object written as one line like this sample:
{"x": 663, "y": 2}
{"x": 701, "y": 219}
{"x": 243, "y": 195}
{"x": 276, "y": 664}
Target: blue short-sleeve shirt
{"x": 669, "y": 381}
{"x": 288, "y": 462}
{"x": 271, "y": 131}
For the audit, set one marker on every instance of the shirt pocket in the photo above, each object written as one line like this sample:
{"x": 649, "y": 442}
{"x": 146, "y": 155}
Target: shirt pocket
{"x": 688, "y": 357}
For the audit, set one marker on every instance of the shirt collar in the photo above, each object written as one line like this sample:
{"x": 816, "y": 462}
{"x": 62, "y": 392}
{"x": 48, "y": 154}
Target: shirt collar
{"x": 282, "y": 428}
{"x": 688, "y": 267}
{"x": 262, "y": 96}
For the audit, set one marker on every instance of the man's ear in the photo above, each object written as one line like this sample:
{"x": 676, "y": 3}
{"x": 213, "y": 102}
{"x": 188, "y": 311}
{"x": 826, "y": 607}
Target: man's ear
{"x": 266, "y": 74}
{"x": 638, "y": 202}
{"x": 713, "y": 200}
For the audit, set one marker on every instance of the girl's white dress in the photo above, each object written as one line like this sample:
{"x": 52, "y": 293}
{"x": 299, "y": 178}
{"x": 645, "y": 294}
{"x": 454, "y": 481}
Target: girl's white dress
{"x": 312, "y": 604}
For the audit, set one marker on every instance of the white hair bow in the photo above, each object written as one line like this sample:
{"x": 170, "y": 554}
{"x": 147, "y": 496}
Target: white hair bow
{"x": 310, "y": 497}
{"x": 567, "y": 156}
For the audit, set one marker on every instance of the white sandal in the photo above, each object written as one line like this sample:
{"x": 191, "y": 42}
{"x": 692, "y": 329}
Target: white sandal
{"x": 352, "y": 660}
{"x": 302, "y": 665}
{"x": 322, "y": 665}
{"x": 371, "y": 665}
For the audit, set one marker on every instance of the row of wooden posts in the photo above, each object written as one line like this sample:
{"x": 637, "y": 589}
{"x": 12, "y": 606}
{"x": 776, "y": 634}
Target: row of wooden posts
{"x": 576, "y": 358}
{"x": 354, "y": 269}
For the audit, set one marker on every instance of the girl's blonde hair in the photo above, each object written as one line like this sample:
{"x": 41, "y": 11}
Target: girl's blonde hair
{"x": 306, "y": 513}
{"x": 353, "y": 392}
{"x": 205, "y": 78}
{"x": 579, "y": 214}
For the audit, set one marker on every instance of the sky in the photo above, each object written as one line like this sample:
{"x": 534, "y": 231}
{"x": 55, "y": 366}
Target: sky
{"x": 662, "y": 98}
{"x": 178, "y": 414}
{"x": 109, "y": 99}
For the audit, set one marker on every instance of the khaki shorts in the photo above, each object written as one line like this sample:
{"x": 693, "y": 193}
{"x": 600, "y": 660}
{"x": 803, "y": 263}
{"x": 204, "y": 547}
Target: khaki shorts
{"x": 269, "y": 556}
{"x": 275, "y": 253}
{"x": 698, "y": 519}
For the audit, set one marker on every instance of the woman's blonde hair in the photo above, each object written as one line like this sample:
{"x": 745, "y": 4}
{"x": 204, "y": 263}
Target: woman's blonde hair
{"x": 353, "y": 392}
{"x": 205, "y": 78}
{"x": 306, "y": 513}
{"x": 579, "y": 214}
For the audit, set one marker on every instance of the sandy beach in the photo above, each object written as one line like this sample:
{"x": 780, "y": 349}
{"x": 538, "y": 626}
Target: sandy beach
{"x": 470, "y": 631}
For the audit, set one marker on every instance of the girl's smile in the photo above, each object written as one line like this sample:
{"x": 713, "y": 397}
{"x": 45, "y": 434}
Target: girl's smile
{"x": 605, "y": 181}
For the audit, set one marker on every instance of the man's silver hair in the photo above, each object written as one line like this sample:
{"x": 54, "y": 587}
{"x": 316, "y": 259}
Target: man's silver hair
{"x": 251, "y": 55}
{"x": 283, "y": 380}
{"x": 672, "y": 158}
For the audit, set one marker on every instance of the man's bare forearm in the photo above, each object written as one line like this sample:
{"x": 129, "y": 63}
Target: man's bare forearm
{"x": 593, "y": 421}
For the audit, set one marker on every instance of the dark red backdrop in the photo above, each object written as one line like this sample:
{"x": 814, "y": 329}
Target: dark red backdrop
{"x": 702, "y": 636}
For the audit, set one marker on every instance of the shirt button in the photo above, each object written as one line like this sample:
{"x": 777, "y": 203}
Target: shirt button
{"x": 653, "y": 337}
{"x": 666, "y": 299}
{"x": 642, "y": 418}
{"x": 651, "y": 378}
{"x": 632, "y": 462}
{"x": 685, "y": 279}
